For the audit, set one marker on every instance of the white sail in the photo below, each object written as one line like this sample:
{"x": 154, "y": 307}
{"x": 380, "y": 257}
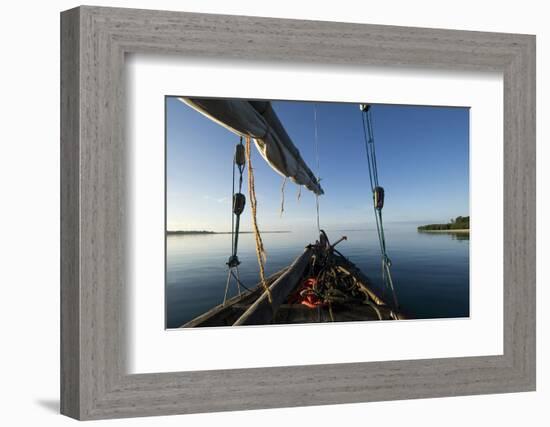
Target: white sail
{"x": 257, "y": 120}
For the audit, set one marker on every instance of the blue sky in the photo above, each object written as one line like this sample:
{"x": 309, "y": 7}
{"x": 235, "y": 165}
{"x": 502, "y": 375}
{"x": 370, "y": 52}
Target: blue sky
{"x": 422, "y": 157}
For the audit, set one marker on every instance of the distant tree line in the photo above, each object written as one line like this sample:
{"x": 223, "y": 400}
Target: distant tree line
{"x": 186, "y": 232}
{"x": 458, "y": 223}
{"x": 190, "y": 232}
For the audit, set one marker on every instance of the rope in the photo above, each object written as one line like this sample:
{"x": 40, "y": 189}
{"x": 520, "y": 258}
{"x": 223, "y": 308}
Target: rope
{"x": 367, "y": 132}
{"x": 233, "y": 261}
{"x": 238, "y": 279}
{"x": 318, "y": 167}
{"x": 232, "y": 214}
{"x": 260, "y": 251}
{"x": 237, "y": 224}
{"x": 283, "y": 197}
{"x": 373, "y": 178}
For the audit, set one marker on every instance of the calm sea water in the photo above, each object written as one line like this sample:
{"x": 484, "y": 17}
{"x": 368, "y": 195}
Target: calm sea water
{"x": 430, "y": 270}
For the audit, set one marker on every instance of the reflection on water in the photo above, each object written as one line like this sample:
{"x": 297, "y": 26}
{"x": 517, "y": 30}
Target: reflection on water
{"x": 430, "y": 270}
{"x": 460, "y": 236}
{"x": 455, "y": 235}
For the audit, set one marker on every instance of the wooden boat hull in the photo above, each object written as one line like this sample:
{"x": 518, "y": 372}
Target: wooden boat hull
{"x": 254, "y": 308}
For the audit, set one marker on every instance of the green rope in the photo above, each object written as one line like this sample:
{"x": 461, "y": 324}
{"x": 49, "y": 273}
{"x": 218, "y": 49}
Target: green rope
{"x": 373, "y": 178}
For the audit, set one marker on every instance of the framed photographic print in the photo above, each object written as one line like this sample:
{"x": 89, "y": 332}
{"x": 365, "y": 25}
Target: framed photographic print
{"x": 262, "y": 213}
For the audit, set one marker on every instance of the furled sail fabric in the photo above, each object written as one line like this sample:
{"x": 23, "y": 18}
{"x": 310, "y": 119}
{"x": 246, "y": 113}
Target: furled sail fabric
{"x": 257, "y": 120}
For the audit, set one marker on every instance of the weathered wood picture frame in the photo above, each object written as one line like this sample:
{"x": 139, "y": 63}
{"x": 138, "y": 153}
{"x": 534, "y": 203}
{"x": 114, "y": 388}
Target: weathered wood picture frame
{"x": 94, "y": 382}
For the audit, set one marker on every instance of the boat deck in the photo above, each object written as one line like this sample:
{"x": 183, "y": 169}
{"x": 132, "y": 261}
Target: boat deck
{"x": 253, "y": 308}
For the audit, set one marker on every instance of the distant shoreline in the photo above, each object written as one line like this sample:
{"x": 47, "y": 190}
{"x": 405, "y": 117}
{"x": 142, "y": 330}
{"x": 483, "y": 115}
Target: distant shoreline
{"x": 460, "y": 224}
{"x": 198, "y": 232}
{"x": 464, "y": 230}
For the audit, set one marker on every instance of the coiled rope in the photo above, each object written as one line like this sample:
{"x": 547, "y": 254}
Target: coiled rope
{"x": 260, "y": 251}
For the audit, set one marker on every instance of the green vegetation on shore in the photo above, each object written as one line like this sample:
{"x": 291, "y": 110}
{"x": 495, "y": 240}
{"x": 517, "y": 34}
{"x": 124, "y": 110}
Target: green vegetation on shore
{"x": 193, "y": 232}
{"x": 458, "y": 223}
